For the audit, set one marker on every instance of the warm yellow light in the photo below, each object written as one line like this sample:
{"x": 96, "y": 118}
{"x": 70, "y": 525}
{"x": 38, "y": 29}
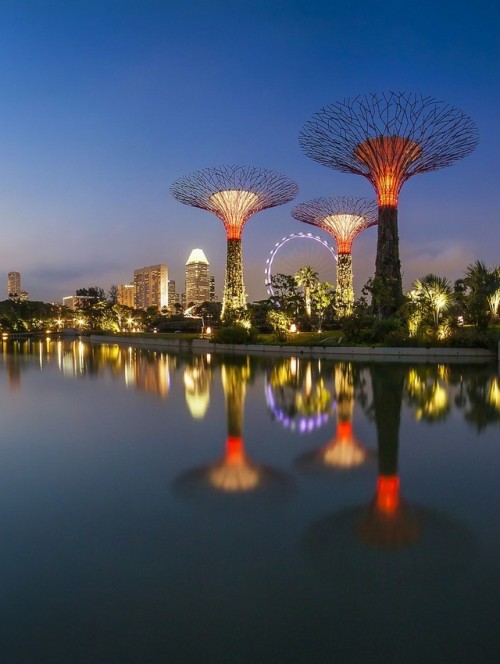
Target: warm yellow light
{"x": 344, "y": 227}
{"x": 293, "y": 328}
{"x": 234, "y": 207}
{"x": 208, "y": 330}
{"x": 494, "y": 393}
{"x": 388, "y": 159}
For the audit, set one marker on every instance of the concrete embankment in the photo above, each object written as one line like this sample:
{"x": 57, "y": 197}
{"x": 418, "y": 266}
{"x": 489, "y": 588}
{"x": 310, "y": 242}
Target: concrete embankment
{"x": 333, "y": 352}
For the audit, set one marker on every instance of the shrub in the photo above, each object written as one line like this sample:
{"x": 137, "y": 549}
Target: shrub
{"x": 387, "y": 330}
{"x": 235, "y": 334}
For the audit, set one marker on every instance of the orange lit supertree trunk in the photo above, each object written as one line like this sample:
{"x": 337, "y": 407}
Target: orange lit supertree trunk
{"x": 234, "y": 194}
{"x": 388, "y": 138}
{"x": 234, "y": 472}
{"x": 343, "y": 218}
{"x": 389, "y": 523}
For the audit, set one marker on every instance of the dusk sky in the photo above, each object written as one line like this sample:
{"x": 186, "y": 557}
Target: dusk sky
{"x": 105, "y": 103}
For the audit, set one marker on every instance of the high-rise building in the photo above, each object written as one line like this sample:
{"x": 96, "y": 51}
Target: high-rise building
{"x": 171, "y": 293}
{"x": 197, "y": 278}
{"x": 14, "y": 291}
{"x": 213, "y": 296}
{"x": 151, "y": 286}
{"x": 126, "y": 295}
{"x": 14, "y": 285}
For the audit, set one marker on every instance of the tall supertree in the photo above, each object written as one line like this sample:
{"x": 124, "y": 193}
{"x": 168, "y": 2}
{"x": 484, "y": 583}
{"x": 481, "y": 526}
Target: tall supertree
{"x": 344, "y": 218}
{"x": 234, "y": 194}
{"x": 387, "y": 138}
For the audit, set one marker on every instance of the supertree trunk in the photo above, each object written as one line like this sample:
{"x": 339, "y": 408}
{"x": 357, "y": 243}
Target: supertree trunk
{"x": 388, "y": 264}
{"x": 234, "y": 289}
{"x": 345, "y": 299}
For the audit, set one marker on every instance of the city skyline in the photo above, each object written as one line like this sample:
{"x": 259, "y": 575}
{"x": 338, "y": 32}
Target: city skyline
{"x": 105, "y": 105}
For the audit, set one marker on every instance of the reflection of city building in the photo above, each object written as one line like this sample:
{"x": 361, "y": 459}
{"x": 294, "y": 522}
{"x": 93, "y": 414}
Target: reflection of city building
{"x": 151, "y": 377}
{"x": 151, "y": 286}
{"x": 297, "y": 396}
{"x": 126, "y": 295}
{"x": 197, "y": 278}
{"x": 197, "y": 387}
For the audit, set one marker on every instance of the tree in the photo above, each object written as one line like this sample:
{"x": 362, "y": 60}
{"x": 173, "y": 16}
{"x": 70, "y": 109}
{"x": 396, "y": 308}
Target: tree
{"x": 433, "y": 294}
{"x": 307, "y": 278}
{"x": 286, "y": 295}
{"x": 322, "y": 297}
{"x": 280, "y": 321}
{"x": 482, "y": 285}
{"x": 90, "y": 296}
{"x": 113, "y": 294}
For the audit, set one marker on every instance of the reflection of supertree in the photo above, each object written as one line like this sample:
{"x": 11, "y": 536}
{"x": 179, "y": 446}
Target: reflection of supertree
{"x": 197, "y": 387}
{"x": 423, "y": 544}
{"x": 234, "y": 473}
{"x": 344, "y": 218}
{"x": 343, "y": 451}
{"x": 389, "y": 522}
{"x": 426, "y": 389}
{"x": 388, "y": 138}
{"x": 234, "y": 194}
{"x": 297, "y": 396}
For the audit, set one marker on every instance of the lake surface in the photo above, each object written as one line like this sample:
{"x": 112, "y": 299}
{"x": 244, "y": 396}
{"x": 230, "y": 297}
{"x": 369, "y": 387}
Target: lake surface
{"x": 200, "y": 508}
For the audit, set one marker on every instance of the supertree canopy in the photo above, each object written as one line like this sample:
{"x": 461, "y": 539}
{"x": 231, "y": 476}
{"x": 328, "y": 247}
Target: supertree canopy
{"x": 344, "y": 218}
{"x": 388, "y": 138}
{"x": 234, "y": 194}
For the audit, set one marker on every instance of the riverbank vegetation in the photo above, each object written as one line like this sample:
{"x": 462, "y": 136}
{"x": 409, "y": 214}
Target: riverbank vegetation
{"x": 303, "y": 311}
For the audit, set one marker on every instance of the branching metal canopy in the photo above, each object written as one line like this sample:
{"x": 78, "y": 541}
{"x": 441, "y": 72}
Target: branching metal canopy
{"x": 234, "y": 193}
{"x": 388, "y": 137}
{"x": 342, "y": 216}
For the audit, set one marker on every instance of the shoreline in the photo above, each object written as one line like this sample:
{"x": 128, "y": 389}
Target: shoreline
{"x": 332, "y": 352}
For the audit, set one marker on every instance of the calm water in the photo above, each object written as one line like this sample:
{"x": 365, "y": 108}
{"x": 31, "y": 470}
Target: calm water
{"x": 169, "y": 508}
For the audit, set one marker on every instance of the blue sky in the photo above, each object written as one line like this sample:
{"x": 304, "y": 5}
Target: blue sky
{"x": 104, "y": 103}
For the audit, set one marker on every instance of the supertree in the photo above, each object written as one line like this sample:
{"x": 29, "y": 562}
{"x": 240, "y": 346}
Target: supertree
{"x": 387, "y": 138}
{"x": 234, "y": 194}
{"x": 344, "y": 218}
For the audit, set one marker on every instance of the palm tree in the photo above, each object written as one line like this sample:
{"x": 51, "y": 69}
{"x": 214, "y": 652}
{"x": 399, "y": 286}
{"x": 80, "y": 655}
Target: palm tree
{"x": 434, "y": 293}
{"x": 307, "y": 278}
{"x": 482, "y": 297}
{"x": 494, "y": 297}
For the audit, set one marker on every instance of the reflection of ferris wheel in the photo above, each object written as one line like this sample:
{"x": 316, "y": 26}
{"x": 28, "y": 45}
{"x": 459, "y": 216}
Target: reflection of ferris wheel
{"x": 292, "y": 252}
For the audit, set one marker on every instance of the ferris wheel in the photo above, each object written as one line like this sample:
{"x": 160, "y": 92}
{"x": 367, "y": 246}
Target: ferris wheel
{"x": 298, "y": 250}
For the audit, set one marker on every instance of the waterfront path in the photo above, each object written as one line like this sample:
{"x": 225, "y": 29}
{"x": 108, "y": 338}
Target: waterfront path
{"x": 369, "y": 353}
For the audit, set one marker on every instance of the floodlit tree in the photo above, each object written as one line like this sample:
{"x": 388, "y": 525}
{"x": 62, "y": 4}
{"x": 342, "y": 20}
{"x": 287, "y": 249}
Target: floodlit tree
{"x": 343, "y": 218}
{"x": 433, "y": 294}
{"x": 482, "y": 292}
{"x": 388, "y": 138}
{"x": 307, "y": 278}
{"x": 234, "y": 194}
{"x": 322, "y": 297}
